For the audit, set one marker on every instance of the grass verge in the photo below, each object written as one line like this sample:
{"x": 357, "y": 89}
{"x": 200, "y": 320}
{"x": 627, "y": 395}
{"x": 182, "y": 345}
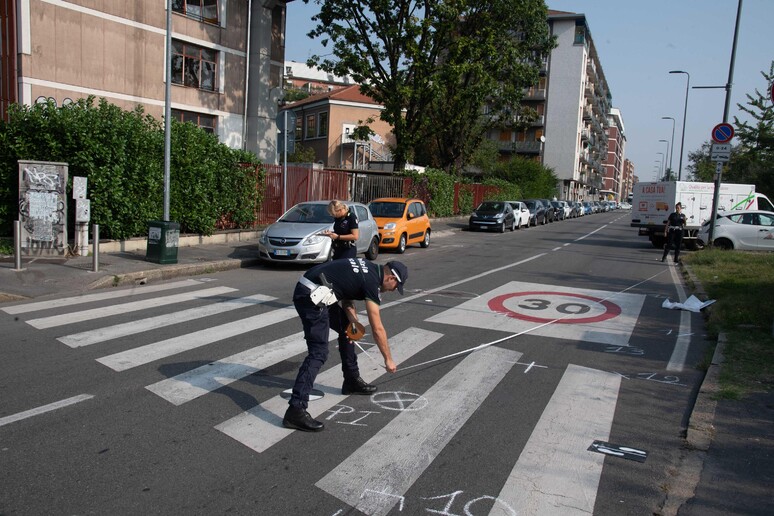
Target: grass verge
{"x": 742, "y": 284}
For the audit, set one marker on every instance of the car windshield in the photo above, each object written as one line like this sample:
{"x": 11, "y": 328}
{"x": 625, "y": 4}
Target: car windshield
{"x": 387, "y": 209}
{"x": 490, "y": 207}
{"x": 309, "y": 213}
{"x": 530, "y": 204}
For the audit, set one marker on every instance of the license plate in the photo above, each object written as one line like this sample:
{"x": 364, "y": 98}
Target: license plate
{"x": 281, "y": 252}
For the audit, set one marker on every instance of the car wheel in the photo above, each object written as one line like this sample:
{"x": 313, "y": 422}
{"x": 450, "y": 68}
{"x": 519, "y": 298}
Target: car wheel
{"x": 724, "y": 243}
{"x": 513, "y": 225}
{"x": 373, "y": 249}
{"x": 402, "y": 244}
{"x": 502, "y": 227}
{"x": 426, "y": 241}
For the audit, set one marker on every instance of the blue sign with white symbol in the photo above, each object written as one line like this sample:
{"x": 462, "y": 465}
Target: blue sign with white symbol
{"x": 722, "y": 133}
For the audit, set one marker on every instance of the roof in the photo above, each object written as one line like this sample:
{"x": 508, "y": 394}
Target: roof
{"x": 348, "y": 94}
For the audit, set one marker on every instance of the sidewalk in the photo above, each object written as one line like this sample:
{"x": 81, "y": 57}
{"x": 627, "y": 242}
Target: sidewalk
{"x": 727, "y": 463}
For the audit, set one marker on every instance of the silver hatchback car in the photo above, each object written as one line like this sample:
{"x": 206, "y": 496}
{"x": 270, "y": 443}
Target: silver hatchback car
{"x": 295, "y": 237}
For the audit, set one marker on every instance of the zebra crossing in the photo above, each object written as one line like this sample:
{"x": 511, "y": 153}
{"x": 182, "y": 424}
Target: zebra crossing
{"x": 375, "y": 476}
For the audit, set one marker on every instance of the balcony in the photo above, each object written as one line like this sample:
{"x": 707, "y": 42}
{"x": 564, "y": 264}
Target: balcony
{"x": 534, "y": 94}
{"x": 532, "y": 147}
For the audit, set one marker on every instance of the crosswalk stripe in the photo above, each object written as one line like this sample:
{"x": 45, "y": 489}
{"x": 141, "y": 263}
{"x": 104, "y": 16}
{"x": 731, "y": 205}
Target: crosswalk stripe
{"x": 165, "y": 348}
{"x": 98, "y": 335}
{"x": 124, "y": 308}
{"x": 555, "y": 474}
{"x": 261, "y": 427}
{"x": 88, "y": 298}
{"x": 373, "y": 478}
{"x": 202, "y": 380}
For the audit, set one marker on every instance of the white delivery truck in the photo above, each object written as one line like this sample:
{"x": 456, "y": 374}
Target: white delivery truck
{"x": 653, "y": 202}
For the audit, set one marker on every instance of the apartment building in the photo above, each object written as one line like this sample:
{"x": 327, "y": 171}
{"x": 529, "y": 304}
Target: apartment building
{"x": 326, "y": 122}
{"x": 613, "y": 181}
{"x": 226, "y": 68}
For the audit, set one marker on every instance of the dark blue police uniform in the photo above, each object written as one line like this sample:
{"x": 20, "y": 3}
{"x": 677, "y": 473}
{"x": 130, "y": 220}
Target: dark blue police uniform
{"x": 344, "y": 226}
{"x": 350, "y": 279}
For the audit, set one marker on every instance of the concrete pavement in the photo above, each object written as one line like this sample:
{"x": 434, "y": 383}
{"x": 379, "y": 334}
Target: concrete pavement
{"x": 728, "y": 458}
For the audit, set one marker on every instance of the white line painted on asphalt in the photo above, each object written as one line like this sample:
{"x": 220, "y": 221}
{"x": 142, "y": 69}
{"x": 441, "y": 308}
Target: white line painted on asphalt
{"x": 88, "y": 338}
{"x": 88, "y": 298}
{"x": 589, "y": 234}
{"x": 393, "y": 459}
{"x": 555, "y": 474}
{"x": 683, "y": 342}
{"x": 45, "y": 408}
{"x": 158, "y": 350}
{"x": 134, "y": 306}
{"x": 261, "y": 427}
{"x": 202, "y": 380}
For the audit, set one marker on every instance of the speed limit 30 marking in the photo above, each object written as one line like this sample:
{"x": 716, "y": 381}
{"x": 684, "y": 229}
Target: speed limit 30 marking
{"x": 558, "y": 307}
{"x": 551, "y": 311}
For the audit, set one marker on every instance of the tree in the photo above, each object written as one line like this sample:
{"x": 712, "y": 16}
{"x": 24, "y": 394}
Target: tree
{"x": 412, "y": 56}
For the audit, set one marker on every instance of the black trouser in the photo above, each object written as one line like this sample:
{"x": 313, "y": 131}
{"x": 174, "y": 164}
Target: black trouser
{"x": 674, "y": 237}
{"x": 317, "y": 321}
{"x": 344, "y": 251}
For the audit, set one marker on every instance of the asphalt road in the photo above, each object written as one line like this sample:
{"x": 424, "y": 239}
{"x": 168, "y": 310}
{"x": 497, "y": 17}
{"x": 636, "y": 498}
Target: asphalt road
{"x": 537, "y": 374}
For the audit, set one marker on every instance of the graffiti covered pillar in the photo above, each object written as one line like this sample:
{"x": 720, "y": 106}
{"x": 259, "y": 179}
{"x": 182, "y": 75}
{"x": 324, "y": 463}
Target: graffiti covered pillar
{"x": 43, "y": 208}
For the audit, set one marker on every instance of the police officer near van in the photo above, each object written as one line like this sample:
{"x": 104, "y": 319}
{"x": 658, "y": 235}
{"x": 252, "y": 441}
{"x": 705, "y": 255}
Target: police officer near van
{"x": 323, "y": 299}
{"x": 345, "y": 230}
{"x": 673, "y": 232}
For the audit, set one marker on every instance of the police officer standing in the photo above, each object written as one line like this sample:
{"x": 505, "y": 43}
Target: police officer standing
{"x": 674, "y": 232}
{"x": 316, "y": 298}
{"x": 345, "y": 230}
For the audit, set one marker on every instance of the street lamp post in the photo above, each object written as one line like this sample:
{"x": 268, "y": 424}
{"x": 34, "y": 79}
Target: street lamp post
{"x": 662, "y": 164}
{"x": 685, "y": 116}
{"x": 667, "y": 163}
{"x": 672, "y": 145}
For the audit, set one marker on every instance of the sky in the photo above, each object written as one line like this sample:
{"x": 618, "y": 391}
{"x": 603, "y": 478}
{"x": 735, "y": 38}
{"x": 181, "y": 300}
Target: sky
{"x": 639, "y": 42}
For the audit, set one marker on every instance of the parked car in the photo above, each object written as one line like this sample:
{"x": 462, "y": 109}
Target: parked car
{"x": 746, "y": 230}
{"x": 559, "y": 210}
{"x": 521, "y": 212}
{"x": 588, "y": 208}
{"x": 577, "y": 209}
{"x": 401, "y": 222}
{"x": 551, "y": 214}
{"x": 537, "y": 210}
{"x": 295, "y": 237}
{"x": 493, "y": 215}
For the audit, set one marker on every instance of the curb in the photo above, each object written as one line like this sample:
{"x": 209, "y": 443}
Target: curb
{"x": 701, "y": 429}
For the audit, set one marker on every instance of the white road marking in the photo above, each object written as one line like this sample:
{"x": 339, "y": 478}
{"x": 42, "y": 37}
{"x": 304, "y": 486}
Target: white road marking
{"x": 158, "y": 350}
{"x": 392, "y": 460}
{"x": 555, "y": 473}
{"x": 88, "y": 338}
{"x": 134, "y": 306}
{"x": 683, "y": 342}
{"x": 45, "y": 408}
{"x": 261, "y": 427}
{"x": 202, "y": 380}
{"x": 88, "y": 298}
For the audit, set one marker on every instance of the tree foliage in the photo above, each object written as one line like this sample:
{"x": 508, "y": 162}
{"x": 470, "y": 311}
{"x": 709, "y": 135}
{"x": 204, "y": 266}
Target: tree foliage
{"x": 434, "y": 64}
{"x": 752, "y": 158}
{"x": 121, "y": 153}
{"x": 533, "y": 178}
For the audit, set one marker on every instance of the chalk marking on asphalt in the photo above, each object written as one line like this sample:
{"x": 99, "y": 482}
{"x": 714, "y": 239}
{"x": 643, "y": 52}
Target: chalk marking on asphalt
{"x": 555, "y": 474}
{"x": 165, "y": 348}
{"x": 393, "y": 459}
{"x": 261, "y": 427}
{"x": 45, "y": 408}
{"x": 88, "y": 298}
{"x": 134, "y": 306}
{"x": 90, "y": 337}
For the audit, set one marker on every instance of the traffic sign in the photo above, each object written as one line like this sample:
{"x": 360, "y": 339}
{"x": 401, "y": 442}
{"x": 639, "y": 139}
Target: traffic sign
{"x": 722, "y": 133}
{"x": 720, "y": 152}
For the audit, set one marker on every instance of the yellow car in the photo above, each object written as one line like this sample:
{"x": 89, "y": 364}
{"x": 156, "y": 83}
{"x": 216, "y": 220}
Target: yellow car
{"x": 401, "y": 222}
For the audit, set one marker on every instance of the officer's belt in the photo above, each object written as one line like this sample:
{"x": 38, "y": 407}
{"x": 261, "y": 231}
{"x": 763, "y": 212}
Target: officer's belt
{"x": 308, "y": 283}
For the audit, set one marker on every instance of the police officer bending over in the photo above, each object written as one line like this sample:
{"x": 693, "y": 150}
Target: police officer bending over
{"x": 316, "y": 298}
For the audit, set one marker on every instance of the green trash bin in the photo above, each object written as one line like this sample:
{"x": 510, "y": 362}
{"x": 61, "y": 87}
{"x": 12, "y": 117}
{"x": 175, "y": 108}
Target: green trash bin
{"x": 163, "y": 239}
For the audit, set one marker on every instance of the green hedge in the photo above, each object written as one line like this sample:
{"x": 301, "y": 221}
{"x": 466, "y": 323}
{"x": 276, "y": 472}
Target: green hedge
{"x": 121, "y": 153}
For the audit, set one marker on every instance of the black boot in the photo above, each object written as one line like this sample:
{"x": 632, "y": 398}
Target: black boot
{"x": 357, "y": 386}
{"x": 299, "y": 419}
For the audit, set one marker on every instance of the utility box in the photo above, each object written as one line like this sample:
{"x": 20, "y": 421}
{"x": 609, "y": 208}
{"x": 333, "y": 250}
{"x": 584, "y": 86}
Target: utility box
{"x": 163, "y": 240}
